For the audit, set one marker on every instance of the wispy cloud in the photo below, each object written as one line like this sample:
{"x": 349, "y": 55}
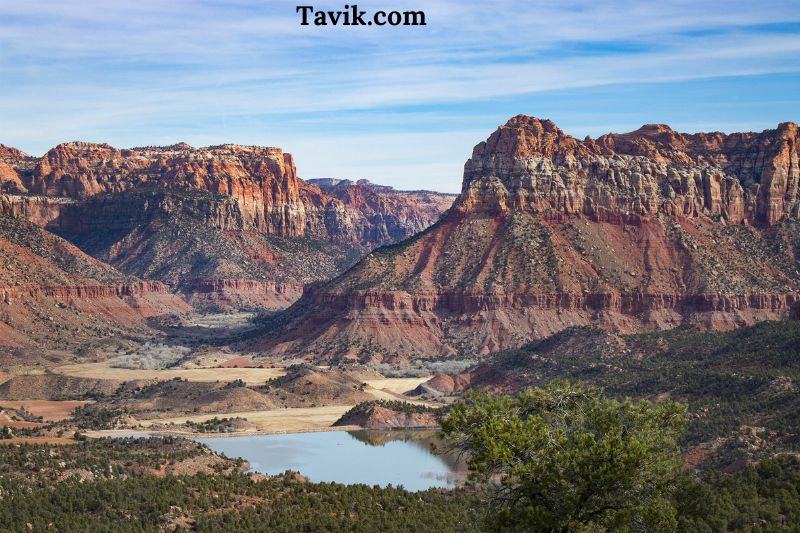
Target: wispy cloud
{"x": 152, "y": 71}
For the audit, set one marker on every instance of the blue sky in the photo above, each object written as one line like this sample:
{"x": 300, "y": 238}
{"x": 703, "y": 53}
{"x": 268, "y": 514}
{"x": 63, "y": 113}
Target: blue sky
{"x": 402, "y": 106}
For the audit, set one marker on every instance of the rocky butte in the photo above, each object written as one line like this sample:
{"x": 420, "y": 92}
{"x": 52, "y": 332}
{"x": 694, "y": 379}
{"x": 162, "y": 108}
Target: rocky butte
{"x": 651, "y": 229}
{"x": 225, "y": 225}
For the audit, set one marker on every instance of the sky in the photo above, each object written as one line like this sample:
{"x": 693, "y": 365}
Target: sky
{"x": 399, "y": 106}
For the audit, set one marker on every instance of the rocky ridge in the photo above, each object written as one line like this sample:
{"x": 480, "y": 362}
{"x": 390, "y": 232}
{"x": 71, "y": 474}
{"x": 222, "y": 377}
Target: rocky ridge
{"x": 645, "y": 230}
{"x": 531, "y": 165}
{"x": 389, "y": 415}
{"x": 232, "y": 217}
{"x": 258, "y": 187}
{"x": 54, "y": 295}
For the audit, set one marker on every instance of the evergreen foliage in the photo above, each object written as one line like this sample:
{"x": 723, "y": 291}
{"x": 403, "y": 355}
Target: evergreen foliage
{"x": 566, "y": 458}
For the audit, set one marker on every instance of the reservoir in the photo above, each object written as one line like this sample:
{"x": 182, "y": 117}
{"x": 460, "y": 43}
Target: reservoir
{"x": 371, "y": 457}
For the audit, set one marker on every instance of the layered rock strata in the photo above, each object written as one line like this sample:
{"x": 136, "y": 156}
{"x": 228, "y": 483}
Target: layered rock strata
{"x": 260, "y": 182}
{"x": 646, "y": 230}
{"x": 53, "y": 296}
{"x": 155, "y": 211}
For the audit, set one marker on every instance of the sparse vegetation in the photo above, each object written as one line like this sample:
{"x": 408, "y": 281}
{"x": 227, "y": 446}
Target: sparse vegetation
{"x": 152, "y": 356}
{"x": 740, "y": 386}
{"x": 422, "y": 367}
{"x": 393, "y": 405}
{"x": 92, "y": 417}
{"x": 566, "y": 458}
{"x": 110, "y": 485}
{"x": 216, "y": 425}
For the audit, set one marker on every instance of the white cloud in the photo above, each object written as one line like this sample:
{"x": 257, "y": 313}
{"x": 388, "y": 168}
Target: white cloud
{"x": 120, "y": 71}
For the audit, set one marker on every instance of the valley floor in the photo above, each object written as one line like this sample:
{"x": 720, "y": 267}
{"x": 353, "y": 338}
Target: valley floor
{"x": 41, "y": 393}
{"x": 104, "y": 370}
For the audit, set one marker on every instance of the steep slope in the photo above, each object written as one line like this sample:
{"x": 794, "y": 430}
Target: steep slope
{"x": 52, "y": 295}
{"x": 741, "y": 386}
{"x": 646, "y": 230}
{"x": 380, "y": 214}
{"x": 225, "y": 225}
{"x": 198, "y": 243}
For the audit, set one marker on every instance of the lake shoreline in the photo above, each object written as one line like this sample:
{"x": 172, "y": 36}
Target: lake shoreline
{"x": 100, "y": 433}
{"x": 339, "y": 454}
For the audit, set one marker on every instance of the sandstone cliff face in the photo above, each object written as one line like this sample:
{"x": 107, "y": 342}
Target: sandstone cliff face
{"x": 225, "y": 215}
{"x": 261, "y": 183}
{"x": 9, "y": 179}
{"x": 12, "y": 159}
{"x": 41, "y": 210}
{"x": 532, "y": 165}
{"x": 368, "y": 214}
{"x": 647, "y": 230}
{"x": 242, "y": 294}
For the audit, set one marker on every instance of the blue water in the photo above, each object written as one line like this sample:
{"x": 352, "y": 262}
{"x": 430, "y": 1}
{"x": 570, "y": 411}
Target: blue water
{"x": 339, "y": 456}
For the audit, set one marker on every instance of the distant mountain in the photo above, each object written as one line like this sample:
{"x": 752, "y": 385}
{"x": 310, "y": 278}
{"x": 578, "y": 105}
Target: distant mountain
{"x": 632, "y": 232}
{"x": 226, "y": 225}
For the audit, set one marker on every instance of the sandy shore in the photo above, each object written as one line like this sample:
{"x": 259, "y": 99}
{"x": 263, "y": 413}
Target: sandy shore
{"x": 197, "y": 435}
{"x": 292, "y": 420}
{"x": 275, "y": 422}
{"x": 398, "y": 385}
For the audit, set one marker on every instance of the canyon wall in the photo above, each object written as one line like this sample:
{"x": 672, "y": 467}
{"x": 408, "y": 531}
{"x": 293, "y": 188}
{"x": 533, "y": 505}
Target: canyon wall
{"x": 260, "y": 184}
{"x": 530, "y": 164}
{"x": 225, "y": 216}
{"x": 646, "y": 230}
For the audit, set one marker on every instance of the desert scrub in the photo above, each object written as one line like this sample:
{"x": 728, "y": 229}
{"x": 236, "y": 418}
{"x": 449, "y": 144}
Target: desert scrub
{"x": 393, "y": 405}
{"x": 216, "y": 425}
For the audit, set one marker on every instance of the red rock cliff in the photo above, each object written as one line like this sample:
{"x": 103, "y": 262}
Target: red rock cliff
{"x": 189, "y": 215}
{"x": 263, "y": 181}
{"x": 646, "y": 230}
{"x": 530, "y": 164}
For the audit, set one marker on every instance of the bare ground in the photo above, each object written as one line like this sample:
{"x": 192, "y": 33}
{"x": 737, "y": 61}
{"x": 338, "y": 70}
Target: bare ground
{"x": 293, "y": 420}
{"x": 103, "y": 370}
{"x": 49, "y": 410}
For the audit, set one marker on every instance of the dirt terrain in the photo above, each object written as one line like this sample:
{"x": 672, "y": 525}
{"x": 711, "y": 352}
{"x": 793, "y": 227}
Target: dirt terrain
{"x": 104, "y": 370}
{"x": 294, "y": 420}
{"x": 185, "y": 384}
{"x": 50, "y": 441}
{"x": 299, "y": 387}
{"x": 50, "y": 411}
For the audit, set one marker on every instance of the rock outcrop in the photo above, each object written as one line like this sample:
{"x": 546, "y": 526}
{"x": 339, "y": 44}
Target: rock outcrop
{"x": 645, "y": 230}
{"x": 12, "y": 160}
{"x": 189, "y": 216}
{"x": 259, "y": 186}
{"x": 389, "y": 415}
{"x": 368, "y": 214}
{"x": 263, "y": 181}
{"x": 531, "y": 165}
{"x": 242, "y": 294}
